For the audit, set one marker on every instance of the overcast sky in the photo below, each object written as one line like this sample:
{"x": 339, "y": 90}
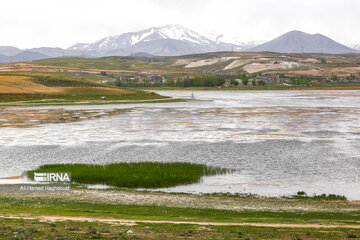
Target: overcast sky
{"x": 61, "y": 23}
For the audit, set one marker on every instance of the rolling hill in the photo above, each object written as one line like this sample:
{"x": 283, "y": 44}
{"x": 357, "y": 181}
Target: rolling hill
{"x": 38, "y": 88}
{"x": 4, "y": 58}
{"x": 28, "y": 56}
{"x": 208, "y": 63}
{"x": 9, "y": 51}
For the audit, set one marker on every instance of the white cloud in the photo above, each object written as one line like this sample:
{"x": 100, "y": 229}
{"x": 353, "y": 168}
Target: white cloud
{"x": 62, "y": 23}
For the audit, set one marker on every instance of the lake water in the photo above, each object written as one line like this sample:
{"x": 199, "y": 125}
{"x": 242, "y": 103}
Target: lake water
{"x": 280, "y": 142}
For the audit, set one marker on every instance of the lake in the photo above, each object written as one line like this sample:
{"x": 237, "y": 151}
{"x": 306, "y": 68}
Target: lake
{"x": 280, "y": 142}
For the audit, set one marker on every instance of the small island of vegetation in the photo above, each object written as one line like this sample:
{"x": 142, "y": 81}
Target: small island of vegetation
{"x": 135, "y": 175}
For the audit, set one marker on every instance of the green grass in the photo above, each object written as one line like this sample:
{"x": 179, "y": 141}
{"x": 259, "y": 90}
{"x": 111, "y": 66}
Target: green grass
{"x": 74, "y": 95}
{"x": 127, "y": 64}
{"x": 49, "y": 206}
{"x": 303, "y": 195}
{"x": 34, "y": 229}
{"x": 60, "y": 79}
{"x": 32, "y": 205}
{"x": 134, "y": 175}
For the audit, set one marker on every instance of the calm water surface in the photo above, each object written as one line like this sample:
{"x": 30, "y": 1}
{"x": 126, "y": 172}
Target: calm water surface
{"x": 280, "y": 142}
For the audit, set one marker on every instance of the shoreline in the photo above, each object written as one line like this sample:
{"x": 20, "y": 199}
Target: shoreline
{"x": 90, "y": 102}
{"x": 239, "y": 89}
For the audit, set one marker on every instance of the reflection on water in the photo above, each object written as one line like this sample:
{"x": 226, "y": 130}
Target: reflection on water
{"x": 280, "y": 141}
{"x": 243, "y": 183}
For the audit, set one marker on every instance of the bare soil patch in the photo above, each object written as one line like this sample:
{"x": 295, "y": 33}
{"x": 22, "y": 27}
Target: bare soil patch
{"x": 258, "y": 67}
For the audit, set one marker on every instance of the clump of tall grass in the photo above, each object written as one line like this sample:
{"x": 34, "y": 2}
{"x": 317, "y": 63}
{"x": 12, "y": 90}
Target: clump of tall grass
{"x": 134, "y": 175}
{"x": 303, "y": 195}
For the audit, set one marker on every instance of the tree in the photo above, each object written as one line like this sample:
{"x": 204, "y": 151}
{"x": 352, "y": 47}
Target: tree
{"x": 234, "y": 82}
{"x": 202, "y": 81}
{"x": 170, "y": 83}
{"x": 334, "y": 78}
{"x": 242, "y": 76}
{"x": 253, "y": 82}
{"x": 245, "y": 82}
{"x": 261, "y": 83}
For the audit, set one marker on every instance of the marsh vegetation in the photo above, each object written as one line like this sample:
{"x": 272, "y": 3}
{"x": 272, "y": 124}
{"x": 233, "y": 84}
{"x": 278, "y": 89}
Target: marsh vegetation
{"x": 135, "y": 175}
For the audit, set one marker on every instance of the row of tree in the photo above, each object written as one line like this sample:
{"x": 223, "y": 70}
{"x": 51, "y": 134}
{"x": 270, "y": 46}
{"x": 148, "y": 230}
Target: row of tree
{"x": 198, "y": 81}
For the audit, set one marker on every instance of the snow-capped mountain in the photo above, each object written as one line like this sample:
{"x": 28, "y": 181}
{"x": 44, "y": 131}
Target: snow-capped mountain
{"x": 126, "y": 40}
{"x": 79, "y": 46}
{"x": 168, "y": 40}
{"x": 172, "y": 40}
{"x": 238, "y": 44}
{"x": 165, "y": 40}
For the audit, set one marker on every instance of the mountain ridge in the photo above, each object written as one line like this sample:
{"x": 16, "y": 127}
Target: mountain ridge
{"x": 300, "y": 42}
{"x": 174, "y": 40}
{"x": 188, "y": 41}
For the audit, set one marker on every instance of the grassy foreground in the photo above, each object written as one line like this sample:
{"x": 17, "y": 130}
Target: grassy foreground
{"x": 96, "y": 209}
{"x": 134, "y": 175}
{"x": 90, "y": 213}
{"x": 34, "y": 229}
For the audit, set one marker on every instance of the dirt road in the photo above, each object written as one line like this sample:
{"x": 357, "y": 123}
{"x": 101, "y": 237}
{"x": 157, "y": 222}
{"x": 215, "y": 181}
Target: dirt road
{"x": 50, "y": 218}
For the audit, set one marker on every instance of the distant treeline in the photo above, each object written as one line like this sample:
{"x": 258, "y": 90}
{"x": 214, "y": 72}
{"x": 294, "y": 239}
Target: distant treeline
{"x": 198, "y": 81}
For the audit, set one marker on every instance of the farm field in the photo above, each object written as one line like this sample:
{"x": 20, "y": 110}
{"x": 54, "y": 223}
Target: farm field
{"x": 19, "y": 88}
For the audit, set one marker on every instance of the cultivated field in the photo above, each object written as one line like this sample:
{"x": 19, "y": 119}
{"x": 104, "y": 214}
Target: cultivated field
{"x": 20, "y": 84}
{"x": 53, "y": 88}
